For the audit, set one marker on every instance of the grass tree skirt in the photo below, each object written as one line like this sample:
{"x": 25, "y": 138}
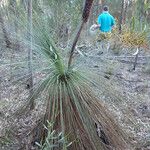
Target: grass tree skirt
{"x": 81, "y": 118}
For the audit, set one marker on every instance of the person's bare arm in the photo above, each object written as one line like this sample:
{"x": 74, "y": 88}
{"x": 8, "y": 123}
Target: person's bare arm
{"x": 98, "y": 26}
{"x": 94, "y": 27}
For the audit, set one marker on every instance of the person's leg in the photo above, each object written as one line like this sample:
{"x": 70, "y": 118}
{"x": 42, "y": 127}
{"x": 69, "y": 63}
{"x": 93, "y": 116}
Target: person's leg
{"x": 99, "y": 41}
{"x": 108, "y": 41}
{"x": 107, "y": 46}
{"x": 103, "y": 42}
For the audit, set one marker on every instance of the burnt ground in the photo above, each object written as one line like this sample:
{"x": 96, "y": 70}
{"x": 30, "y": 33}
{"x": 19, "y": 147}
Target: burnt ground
{"x": 127, "y": 93}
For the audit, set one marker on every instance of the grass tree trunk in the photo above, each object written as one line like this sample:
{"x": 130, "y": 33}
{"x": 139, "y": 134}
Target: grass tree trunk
{"x": 30, "y": 84}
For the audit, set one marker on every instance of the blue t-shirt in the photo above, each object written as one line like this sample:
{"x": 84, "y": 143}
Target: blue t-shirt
{"x": 106, "y": 22}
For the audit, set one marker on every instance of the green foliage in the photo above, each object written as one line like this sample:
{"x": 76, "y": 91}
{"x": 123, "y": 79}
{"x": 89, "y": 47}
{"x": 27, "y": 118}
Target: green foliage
{"x": 53, "y": 140}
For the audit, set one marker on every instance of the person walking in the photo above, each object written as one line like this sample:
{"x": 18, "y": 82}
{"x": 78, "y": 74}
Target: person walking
{"x": 105, "y": 24}
{"x": 105, "y": 20}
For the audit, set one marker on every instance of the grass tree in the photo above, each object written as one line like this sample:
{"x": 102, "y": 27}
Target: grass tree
{"x": 72, "y": 107}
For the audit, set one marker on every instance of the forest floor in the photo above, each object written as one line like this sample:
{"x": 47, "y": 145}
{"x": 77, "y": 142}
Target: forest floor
{"x": 133, "y": 113}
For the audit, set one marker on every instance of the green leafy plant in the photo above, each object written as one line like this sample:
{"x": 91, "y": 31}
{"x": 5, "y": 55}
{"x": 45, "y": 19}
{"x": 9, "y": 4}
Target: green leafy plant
{"x": 53, "y": 140}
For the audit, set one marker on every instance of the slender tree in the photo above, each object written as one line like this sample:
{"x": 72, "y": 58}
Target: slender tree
{"x": 85, "y": 16}
{"x": 30, "y": 84}
{"x": 5, "y": 32}
{"x": 15, "y": 12}
{"x": 121, "y": 15}
{"x": 125, "y": 11}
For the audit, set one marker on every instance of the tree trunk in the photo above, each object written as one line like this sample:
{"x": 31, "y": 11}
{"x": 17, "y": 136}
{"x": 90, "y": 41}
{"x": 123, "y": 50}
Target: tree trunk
{"x": 75, "y": 42}
{"x": 85, "y": 16}
{"x": 125, "y": 12}
{"x": 121, "y": 16}
{"x": 30, "y": 84}
{"x": 5, "y": 33}
{"x": 14, "y": 10}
